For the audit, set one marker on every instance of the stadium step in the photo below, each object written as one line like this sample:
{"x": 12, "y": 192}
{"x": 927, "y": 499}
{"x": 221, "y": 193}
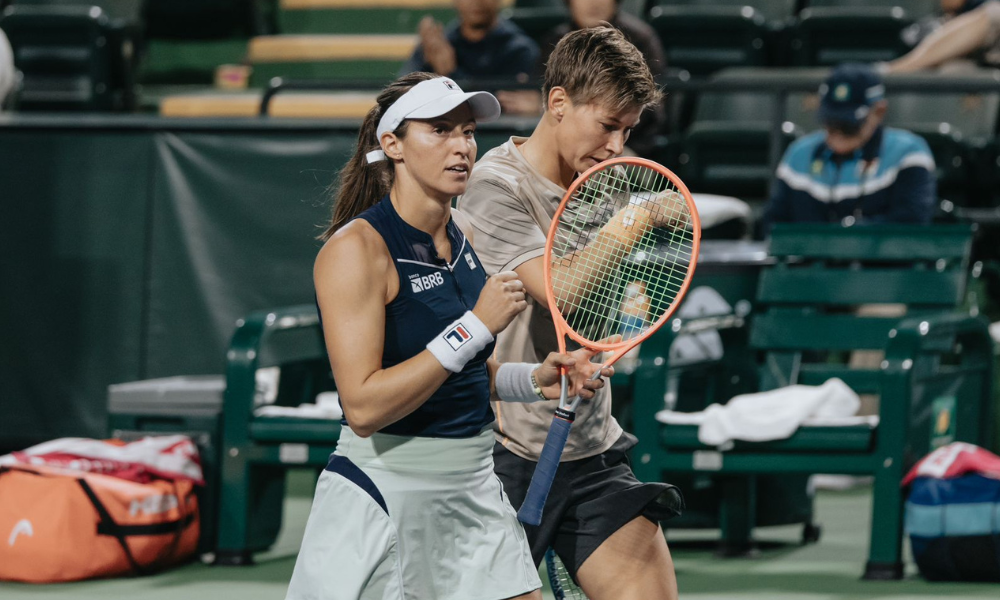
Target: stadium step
{"x": 360, "y": 16}
{"x": 375, "y": 58}
{"x": 189, "y": 61}
{"x": 327, "y": 105}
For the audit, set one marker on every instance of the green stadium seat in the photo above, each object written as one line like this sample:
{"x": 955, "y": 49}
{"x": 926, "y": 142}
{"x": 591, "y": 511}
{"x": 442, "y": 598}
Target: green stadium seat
{"x": 68, "y": 58}
{"x": 807, "y": 319}
{"x": 204, "y": 19}
{"x": 734, "y": 106}
{"x": 829, "y": 36}
{"x": 730, "y": 158}
{"x": 916, "y": 9}
{"x": 987, "y": 169}
{"x": 538, "y": 21}
{"x": 774, "y": 11}
{"x": 957, "y": 127}
{"x": 777, "y": 15}
{"x": 186, "y": 40}
{"x": 171, "y": 62}
{"x": 116, "y": 10}
{"x": 973, "y": 114}
{"x": 727, "y": 147}
{"x": 952, "y": 159}
{"x": 704, "y": 39}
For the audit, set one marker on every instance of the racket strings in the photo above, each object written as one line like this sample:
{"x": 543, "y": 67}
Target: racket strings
{"x": 563, "y": 586}
{"x": 640, "y": 270}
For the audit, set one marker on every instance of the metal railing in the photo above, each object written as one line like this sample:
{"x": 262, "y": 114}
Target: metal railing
{"x": 781, "y": 82}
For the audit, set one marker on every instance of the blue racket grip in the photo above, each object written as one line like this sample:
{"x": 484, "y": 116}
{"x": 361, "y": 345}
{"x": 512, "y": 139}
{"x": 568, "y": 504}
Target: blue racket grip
{"x": 545, "y": 472}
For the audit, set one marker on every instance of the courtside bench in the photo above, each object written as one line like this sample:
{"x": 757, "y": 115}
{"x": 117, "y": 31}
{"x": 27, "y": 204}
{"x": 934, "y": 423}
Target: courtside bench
{"x": 257, "y": 451}
{"x": 934, "y": 380}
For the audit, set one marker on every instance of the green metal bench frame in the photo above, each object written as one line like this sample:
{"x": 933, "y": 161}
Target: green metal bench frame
{"x": 925, "y": 356}
{"x": 257, "y": 451}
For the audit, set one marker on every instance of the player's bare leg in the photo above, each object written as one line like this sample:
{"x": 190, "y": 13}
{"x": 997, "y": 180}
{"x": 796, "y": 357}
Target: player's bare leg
{"x": 633, "y": 564}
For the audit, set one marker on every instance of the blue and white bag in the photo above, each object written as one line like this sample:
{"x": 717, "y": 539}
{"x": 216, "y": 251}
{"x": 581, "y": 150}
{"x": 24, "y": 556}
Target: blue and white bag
{"x": 953, "y": 514}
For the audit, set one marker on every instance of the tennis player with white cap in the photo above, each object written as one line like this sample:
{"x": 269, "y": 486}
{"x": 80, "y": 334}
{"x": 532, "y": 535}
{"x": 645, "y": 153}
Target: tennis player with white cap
{"x": 409, "y": 506}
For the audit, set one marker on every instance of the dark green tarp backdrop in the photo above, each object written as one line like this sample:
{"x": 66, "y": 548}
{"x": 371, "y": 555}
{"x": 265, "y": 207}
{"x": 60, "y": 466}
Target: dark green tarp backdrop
{"x": 129, "y": 247}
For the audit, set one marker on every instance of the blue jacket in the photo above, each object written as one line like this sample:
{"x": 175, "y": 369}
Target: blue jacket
{"x": 889, "y": 180}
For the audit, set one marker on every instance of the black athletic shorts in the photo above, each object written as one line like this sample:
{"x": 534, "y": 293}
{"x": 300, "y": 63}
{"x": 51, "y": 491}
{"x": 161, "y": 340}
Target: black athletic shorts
{"x": 591, "y": 499}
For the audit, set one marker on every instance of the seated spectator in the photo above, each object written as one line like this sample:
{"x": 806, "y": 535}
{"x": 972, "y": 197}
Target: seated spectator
{"x": 947, "y": 10}
{"x": 591, "y": 13}
{"x": 974, "y": 34}
{"x": 8, "y": 74}
{"x": 477, "y": 45}
{"x": 855, "y": 170}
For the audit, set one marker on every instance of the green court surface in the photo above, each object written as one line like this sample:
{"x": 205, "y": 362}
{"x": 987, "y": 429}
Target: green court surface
{"x": 784, "y": 570}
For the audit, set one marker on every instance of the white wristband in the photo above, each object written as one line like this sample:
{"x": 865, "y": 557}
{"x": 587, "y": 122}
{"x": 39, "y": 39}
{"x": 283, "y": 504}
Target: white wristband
{"x": 515, "y": 384}
{"x": 459, "y": 342}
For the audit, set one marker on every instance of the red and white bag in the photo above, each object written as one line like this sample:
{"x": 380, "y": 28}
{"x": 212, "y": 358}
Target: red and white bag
{"x": 61, "y": 524}
{"x": 164, "y": 456}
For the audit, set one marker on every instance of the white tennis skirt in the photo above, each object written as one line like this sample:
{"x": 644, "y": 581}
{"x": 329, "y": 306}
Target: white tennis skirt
{"x": 412, "y": 518}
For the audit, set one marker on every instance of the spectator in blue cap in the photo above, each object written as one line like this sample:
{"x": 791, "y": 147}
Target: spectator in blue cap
{"x": 854, "y": 170}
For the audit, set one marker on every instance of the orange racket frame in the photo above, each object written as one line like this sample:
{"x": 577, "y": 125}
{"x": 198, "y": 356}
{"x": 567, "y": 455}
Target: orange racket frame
{"x": 531, "y": 509}
{"x": 618, "y": 349}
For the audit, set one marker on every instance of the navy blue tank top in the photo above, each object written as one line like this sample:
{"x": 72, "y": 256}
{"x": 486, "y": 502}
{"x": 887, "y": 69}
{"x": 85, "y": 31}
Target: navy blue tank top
{"x": 433, "y": 292}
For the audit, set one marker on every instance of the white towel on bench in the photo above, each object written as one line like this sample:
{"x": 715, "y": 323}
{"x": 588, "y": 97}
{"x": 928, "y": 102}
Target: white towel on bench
{"x": 773, "y": 415}
{"x": 327, "y": 407}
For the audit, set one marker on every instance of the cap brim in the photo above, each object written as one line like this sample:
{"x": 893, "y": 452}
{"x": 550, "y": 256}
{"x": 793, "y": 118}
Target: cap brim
{"x": 485, "y": 106}
{"x": 840, "y": 114}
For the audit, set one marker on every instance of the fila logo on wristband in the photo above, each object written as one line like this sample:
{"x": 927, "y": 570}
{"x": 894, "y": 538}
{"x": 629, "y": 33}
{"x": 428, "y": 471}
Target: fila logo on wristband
{"x": 460, "y": 342}
{"x": 457, "y": 336}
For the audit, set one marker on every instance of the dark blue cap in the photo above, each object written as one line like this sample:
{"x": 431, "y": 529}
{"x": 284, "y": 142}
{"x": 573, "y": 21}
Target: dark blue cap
{"x": 848, "y": 94}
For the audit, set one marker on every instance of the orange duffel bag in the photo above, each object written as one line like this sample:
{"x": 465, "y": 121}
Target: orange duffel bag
{"x": 65, "y": 525}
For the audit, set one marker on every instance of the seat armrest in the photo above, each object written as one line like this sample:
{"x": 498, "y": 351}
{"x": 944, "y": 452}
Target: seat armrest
{"x": 914, "y": 336}
{"x": 265, "y": 339}
{"x": 923, "y": 351}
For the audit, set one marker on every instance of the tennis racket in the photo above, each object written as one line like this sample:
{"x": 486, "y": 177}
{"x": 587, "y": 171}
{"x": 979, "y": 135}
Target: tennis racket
{"x": 625, "y": 224}
{"x": 560, "y": 581}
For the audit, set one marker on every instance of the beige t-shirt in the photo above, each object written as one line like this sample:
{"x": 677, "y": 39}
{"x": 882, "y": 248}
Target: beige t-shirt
{"x": 511, "y": 205}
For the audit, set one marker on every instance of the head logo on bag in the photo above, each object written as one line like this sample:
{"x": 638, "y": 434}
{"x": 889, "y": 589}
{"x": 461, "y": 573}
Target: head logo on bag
{"x": 153, "y": 505}
{"x": 22, "y": 526}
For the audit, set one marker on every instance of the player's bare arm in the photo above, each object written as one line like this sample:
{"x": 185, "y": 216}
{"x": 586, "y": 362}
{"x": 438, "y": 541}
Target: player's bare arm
{"x": 354, "y": 280}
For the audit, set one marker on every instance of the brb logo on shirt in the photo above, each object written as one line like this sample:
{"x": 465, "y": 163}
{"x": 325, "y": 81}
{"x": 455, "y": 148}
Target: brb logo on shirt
{"x": 420, "y": 283}
{"x": 457, "y": 336}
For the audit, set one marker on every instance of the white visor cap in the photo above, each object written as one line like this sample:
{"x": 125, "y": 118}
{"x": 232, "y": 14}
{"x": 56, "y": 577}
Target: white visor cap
{"x": 433, "y": 98}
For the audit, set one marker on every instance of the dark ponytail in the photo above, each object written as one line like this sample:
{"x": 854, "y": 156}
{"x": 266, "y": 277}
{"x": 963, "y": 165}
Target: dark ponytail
{"x": 361, "y": 184}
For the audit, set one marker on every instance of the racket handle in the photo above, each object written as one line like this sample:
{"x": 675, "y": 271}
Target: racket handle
{"x": 545, "y": 472}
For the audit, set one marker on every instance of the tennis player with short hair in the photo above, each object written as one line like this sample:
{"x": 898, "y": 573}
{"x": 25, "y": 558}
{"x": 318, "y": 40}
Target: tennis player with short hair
{"x": 409, "y": 506}
{"x": 598, "y": 517}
